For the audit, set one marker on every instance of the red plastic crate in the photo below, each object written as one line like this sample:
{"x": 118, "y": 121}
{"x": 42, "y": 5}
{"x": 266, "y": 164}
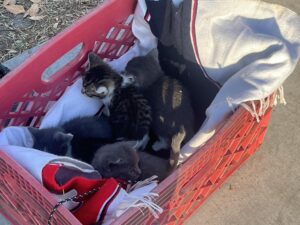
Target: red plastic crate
{"x": 26, "y": 97}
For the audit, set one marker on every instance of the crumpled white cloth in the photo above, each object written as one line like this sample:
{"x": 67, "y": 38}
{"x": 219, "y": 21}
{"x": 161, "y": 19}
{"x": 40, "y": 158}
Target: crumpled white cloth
{"x": 250, "y": 48}
{"x": 141, "y": 198}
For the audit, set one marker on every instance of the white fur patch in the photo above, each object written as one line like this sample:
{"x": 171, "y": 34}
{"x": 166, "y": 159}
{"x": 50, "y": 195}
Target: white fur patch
{"x": 127, "y": 80}
{"x": 102, "y": 90}
{"x": 107, "y": 100}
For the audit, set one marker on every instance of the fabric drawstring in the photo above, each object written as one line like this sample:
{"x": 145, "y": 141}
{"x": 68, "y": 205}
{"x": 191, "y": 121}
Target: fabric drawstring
{"x": 252, "y": 110}
{"x": 142, "y": 183}
{"x": 140, "y": 202}
{"x": 264, "y": 104}
{"x": 280, "y": 96}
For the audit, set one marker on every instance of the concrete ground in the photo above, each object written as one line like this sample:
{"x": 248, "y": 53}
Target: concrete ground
{"x": 266, "y": 189}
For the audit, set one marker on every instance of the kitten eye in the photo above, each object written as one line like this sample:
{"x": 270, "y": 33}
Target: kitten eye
{"x": 102, "y": 90}
{"x": 131, "y": 78}
{"x": 113, "y": 166}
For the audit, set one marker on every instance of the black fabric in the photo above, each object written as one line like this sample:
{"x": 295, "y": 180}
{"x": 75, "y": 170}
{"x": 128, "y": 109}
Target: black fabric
{"x": 157, "y": 9}
{"x": 171, "y": 25}
{"x": 3, "y": 70}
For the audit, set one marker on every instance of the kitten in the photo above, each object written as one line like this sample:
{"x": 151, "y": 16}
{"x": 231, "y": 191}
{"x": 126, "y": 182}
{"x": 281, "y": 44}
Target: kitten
{"x": 129, "y": 111}
{"x": 79, "y": 137}
{"x": 53, "y": 140}
{"x": 153, "y": 165}
{"x": 122, "y": 160}
{"x": 172, "y": 113}
{"x": 118, "y": 160}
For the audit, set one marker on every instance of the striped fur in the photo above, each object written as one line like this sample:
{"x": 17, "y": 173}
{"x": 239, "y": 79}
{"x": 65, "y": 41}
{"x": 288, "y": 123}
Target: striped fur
{"x": 130, "y": 113}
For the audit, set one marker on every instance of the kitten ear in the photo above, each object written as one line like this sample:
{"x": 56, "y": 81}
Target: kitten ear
{"x": 63, "y": 136}
{"x": 33, "y": 130}
{"x": 154, "y": 54}
{"x": 113, "y": 162}
{"x": 34, "y": 133}
{"x": 94, "y": 60}
{"x": 69, "y": 136}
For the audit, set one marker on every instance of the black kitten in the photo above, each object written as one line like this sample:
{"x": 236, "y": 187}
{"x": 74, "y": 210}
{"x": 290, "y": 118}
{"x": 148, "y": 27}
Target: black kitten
{"x": 53, "y": 140}
{"x": 80, "y": 137}
{"x": 153, "y": 165}
{"x": 129, "y": 111}
{"x": 118, "y": 160}
{"x": 122, "y": 160}
{"x": 172, "y": 113}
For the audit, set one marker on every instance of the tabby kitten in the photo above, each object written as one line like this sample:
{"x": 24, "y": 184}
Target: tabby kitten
{"x": 172, "y": 113}
{"x": 129, "y": 112}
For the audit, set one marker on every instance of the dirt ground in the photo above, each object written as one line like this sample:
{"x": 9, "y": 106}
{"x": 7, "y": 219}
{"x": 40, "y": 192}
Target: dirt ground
{"x": 19, "y": 33}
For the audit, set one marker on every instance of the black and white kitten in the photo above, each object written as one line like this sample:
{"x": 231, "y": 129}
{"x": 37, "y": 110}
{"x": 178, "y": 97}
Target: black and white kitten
{"x": 129, "y": 111}
{"x": 122, "y": 160}
{"x": 172, "y": 112}
{"x": 79, "y": 138}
